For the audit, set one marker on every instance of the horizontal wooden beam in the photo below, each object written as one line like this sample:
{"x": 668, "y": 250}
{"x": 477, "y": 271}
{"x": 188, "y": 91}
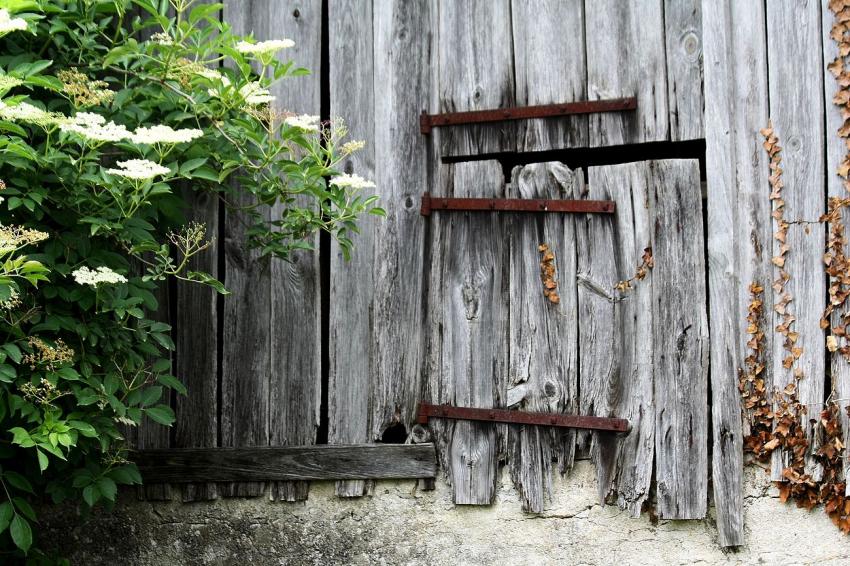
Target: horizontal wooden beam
{"x": 430, "y": 204}
{"x": 429, "y": 121}
{"x": 324, "y": 462}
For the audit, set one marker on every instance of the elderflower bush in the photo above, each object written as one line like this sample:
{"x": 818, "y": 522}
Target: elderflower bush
{"x": 109, "y": 121}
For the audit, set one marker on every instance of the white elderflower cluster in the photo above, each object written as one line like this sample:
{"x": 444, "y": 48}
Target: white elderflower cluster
{"x": 7, "y": 82}
{"x": 12, "y": 302}
{"x": 352, "y": 146}
{"x": 95, "y": 127}
{"x": 162, "y": 38}
{"x": 305, "y": 122}
{"x": 26, "y": 112}
{"x": 264, "y": 47}
{"x": 164, "y": 135}
{"x": 8, "y": 23}
{"x": 14, "y": 237}
{"x": 139, "y": 169}
{"x": 345, "y": 180}
{"x": 95, "y": 277}
{"x": 254, "y": 94}
{"x": 211, "y": 74}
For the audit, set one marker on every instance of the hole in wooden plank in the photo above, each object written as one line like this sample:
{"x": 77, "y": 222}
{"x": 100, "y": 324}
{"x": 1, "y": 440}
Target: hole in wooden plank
{"x": 394, "y": 434}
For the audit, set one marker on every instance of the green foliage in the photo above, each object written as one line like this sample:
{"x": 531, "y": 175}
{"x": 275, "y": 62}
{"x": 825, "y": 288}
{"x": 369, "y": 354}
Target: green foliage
{"x": 111, "y": 113}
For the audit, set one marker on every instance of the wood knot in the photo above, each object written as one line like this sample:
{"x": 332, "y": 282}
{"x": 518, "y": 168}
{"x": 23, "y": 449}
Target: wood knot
{"x": 690, "y": 45}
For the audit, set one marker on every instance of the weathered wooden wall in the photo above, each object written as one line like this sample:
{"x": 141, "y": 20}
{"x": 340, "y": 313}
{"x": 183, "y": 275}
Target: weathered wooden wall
{"x": 450, "y": 308}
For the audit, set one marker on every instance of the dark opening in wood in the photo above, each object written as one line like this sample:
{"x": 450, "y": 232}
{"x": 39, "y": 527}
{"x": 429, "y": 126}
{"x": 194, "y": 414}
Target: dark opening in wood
{"x": 394, "y": 434}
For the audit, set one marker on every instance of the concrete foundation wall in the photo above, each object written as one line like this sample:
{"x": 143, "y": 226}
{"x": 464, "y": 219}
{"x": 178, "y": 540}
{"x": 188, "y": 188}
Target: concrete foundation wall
{"x": 401, "y": 525}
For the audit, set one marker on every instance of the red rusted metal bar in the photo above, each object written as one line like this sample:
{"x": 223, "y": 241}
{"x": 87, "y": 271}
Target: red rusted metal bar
{"x": 515, "y": 205}
{"x": 428, "y": 121}
{"x": 608, "y": 424}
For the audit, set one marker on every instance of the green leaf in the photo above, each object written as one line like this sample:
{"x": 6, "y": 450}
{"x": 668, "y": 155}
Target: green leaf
{"x": 161, "y": 414}
{"x": 21, "y": 533}
{"x": 45, "y": 81}
{"x": 91, "y": 495}
{"x": 107, "y": 488}
{"x": 6, "y": 513}
{"x": 13, "y": 351}
{"x": 21, "y": 436}
{"x": 190, "y": 165}
{"x": 7, "y": 373}
{"x": 68, "y": 373}
{"x": 173, "y": 383}
{"x": 206, "y": 173}
{"x": 43, "y": 462}
{"x": 85, "y": 429}
{"x": 150, "y": 396}
{"x": 23, "y": 506}
{"x": 127, "y": 474}
{"x": 121, "y": 53}
{"x": 18, "y": 481}
{"x": 208, "y": 279}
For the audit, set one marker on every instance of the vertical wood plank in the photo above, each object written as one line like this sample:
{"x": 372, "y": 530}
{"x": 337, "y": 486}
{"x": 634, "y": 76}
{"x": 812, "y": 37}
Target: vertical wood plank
{"x": 247, "y": 341}
{"x": 683, "y": 41}
{"x": 740, "y": 234}
{"x": 631, "y": 396}
{"x": 468, "y": 327}
{"x": 402, "y": 67}
{"x": 599, "y": 329}
{"x": 680, "y": 334}
{"x": 795, "y": 80}
{"x": 196, "y": 340}
{"x": 626, "y": 57}
{"x": 295, "y": 380}
{"x": 352, "y": 96}
{"x": 543, "y": 334}
{"x": 547, "y": 31}
{"x": 835, "y": 152}
{"x": 475, "y": 66}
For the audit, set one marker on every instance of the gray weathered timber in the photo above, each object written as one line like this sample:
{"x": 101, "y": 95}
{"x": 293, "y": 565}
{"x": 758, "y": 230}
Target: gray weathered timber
{"x": 543, "y": 335}
{"x": 680, "y": 335}
{"x": 247, "y": 340}
{"x": 835, "y": 151}
{"x": 549, "y": 60}
{"x": 475, "y": 72}
{"x": 468, "y": 327}
{"x": 795, "y": 80}
{"x": 402, "y": 78}
{"x": 352, "y": 96}
{"x": 626, "y": 57}
{"x": 288, "y": 463}
{"x": 196, "y": 345}
{"x": 740, "y": 234}
{"x": 684, "y": 44}
{"x": 295, "y": 379}
{"x": 631, "y": 396}
{"x": 599, "y": 325}
{"x": 196, "y": 316}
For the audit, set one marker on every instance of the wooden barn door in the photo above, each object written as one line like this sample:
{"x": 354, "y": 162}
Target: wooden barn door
{"x": 500, "y": 334}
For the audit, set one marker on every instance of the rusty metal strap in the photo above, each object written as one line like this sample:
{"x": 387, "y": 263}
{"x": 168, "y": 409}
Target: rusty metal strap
{"x": 607, "y": 424}
{"x": 428, "y": 121}
{"x": 516, "y": 205}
